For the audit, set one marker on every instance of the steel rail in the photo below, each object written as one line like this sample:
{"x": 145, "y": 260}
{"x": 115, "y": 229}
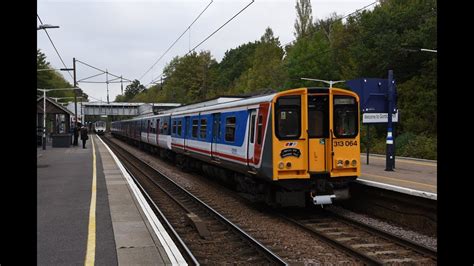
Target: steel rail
{"x": 346, "y": 248}
{"x": 162, "y": 217}
{"x": 423, "y": 250}
{"x": 260, "y": 248}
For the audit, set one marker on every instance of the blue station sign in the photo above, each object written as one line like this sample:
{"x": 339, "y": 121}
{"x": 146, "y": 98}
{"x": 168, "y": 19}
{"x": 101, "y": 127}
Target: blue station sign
{"x": 373, "y": 93}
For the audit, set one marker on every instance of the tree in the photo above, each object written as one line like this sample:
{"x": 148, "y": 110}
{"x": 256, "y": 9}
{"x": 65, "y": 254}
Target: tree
{"x": 51, "y": 79}
{"x": 266, "y": 71}
{"x": 304, "y": 18}
{"x": 133, "y": 89}
{"x": 190, "y": 78}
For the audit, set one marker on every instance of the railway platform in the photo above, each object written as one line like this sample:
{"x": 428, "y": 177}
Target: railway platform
{"x": 410, "y": 176}
{"x": 89, "y": 211}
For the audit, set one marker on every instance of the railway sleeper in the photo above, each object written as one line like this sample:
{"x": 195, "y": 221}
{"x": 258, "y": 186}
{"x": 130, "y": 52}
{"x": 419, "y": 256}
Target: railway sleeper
{"x": 199, "y": 224}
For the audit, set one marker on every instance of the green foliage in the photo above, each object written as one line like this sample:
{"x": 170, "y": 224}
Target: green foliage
{"x": 367, "y": 44}
{"x": 189, "y": 78}
{"x": 52, "y": 79}
{"x": 132, "y": 90}
{"x": 418, "y": 146}
{"x": 304, "y": 19}
{"x": 234, "y": 63}
{"x": 266, "y": 70}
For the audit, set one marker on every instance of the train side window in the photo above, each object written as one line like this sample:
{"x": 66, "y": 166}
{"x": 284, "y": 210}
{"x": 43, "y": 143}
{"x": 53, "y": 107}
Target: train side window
{"x": 179, "y": 128}
{"x": 230, "y": 129}
{"x": 288, "y": 117}
{"x": 174, "y": 127}
{"x": 203, "y": 128}
{"x": 259, "y": 129}
{"x": 252, "y": 129}
{"x": 195, "y": 128}
{"x": 165, "y": 128}
{"x": 158, "y": 126}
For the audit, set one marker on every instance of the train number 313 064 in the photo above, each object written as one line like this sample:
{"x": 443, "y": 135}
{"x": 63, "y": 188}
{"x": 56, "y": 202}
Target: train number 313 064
{"x": 345, "y": 143}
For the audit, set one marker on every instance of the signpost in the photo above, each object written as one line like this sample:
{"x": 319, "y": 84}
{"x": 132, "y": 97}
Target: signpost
{"x": 378, "y": 103}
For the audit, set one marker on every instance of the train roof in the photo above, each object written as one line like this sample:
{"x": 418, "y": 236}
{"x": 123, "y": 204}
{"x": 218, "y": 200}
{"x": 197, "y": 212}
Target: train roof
{"x": 230, "y": 103}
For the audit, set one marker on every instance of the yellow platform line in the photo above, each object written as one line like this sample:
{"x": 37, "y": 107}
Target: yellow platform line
{"x": 397, "y": 180}
{"x": 90, "y": 255}
{"x": 405, "y": 161}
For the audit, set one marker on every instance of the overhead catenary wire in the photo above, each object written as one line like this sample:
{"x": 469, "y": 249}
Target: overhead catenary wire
{"x": 103, "y": 71}
{"x": 54, "y": 46}
{"x": 205, "y": 39}
{"x": 171, "y": 46}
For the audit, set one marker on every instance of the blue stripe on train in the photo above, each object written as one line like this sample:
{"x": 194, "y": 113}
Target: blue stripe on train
{"x": 187, "y": 127}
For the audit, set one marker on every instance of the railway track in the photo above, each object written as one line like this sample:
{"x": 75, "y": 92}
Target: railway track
{"x": 367, "y": 243}
{"x": 347, "y": 241}
{"x": 205, "y": 235}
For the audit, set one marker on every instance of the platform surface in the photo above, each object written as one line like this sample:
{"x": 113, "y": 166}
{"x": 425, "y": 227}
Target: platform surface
{"x": 123, "y": 235}
{"x": 410, "y": 173}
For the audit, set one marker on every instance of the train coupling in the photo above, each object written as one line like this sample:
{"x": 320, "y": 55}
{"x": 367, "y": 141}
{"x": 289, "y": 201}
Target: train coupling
{"x": 323, "y": 199}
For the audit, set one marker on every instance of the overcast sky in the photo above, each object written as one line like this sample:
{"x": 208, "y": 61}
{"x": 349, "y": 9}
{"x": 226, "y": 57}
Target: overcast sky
{"x": 127, "y": 37}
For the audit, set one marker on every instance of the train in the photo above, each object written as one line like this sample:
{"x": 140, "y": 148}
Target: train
{"x": 290, "y": 148}
{"x": 100, "y": 127}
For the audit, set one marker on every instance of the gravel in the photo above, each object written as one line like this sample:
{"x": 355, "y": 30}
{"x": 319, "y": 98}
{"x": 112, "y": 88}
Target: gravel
{"x": 291, "y": 243}
{"x": 396, "y": 230}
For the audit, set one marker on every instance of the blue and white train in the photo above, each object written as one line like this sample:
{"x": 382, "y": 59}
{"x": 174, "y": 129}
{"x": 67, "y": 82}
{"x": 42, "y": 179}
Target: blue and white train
{"x": 289, "y": 147}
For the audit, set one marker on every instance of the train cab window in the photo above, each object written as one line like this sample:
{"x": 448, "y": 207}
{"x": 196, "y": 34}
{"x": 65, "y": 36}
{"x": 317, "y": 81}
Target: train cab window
{"x": 259, "y": 129}
{"x": 252, "y": 129}
{"x": 318, "y": 116}
{"x": 288, "y": 117}
{"x": 346, "y": 117}
{"x": 179, "y": 128}
{"x": 230, "y": 129}
{"x": 203, "y": 128}
{"x": 195, "y": 128}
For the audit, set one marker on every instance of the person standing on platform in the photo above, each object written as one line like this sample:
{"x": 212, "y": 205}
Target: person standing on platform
{"x": 76, "y": 134}
{"x": 84, "y": 136}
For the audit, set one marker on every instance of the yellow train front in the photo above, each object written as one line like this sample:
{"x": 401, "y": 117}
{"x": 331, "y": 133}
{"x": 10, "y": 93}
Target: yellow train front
{"x": 316, "y": 139}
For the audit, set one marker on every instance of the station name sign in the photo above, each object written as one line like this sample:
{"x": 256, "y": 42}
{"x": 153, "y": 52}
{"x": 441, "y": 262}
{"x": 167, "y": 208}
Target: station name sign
{"x": 372, "y": 118}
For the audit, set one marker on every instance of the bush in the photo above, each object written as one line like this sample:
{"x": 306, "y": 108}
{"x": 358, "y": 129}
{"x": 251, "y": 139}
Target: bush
{"x": 407, "y": 145}
{"x": 418, "y": 146}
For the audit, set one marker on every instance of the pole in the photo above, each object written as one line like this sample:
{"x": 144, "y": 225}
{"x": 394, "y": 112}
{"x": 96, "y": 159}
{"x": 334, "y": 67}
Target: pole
{"x": 75, "y": 92}
{"x": 44, "y": 119}
{"x": 107, "y": 81}
{"x": 121, "y": 84}
{"x": 389, "y": 151}
{"x": 368, "y": 143}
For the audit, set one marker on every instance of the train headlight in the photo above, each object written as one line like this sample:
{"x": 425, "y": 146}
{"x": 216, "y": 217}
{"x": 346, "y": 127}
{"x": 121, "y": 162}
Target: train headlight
{"x": 354, "y": 163}
{"x": 339, "y": 163}
{"x": 281, "y": 165}
{"x": 346, "y": 163}
{"x": 288, "y": 165}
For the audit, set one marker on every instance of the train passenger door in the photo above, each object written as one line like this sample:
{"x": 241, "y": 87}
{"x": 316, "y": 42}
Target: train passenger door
{"x": 318, "y": 132}
{"x": 216, "y": 129}
{"x": 251, "y": 136}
